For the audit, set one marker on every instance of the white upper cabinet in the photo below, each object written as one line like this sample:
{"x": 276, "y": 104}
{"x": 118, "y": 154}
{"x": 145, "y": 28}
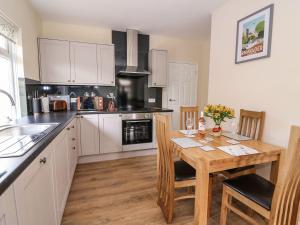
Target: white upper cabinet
{"x": 8, "y": 211}
{"x": 77, "y": 63}
{"x": 89, "y": 134}
{"x": 110, "y": 126}
{"x": 83, "y": 63}
{"x": 34, "y": 192}
{"x": 54, "y": 56}
{"x": 106, "y": 64}
{"x": 158, "y": 65}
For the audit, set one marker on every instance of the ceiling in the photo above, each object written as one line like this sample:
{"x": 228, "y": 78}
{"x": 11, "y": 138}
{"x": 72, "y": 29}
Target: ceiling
{"x": 180, "y": 18}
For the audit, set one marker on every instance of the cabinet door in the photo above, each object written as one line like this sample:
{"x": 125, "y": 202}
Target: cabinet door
{"x": 72, "y": 148}
{"x": 83, "y": 63}
{"x": 106, "y": 64}
{"x": 54, "y": 61}
{"x": 89, "y": 133}
{"x": 110, "y": 133}
{"x": 61, "y": 172}
{"x": 158, "y": 67}
{"x": 8, "y": 210}
{"x": 34, "y": 192}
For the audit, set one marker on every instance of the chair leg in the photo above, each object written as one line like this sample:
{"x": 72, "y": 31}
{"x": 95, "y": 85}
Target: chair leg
{"x": 224, "y": 209}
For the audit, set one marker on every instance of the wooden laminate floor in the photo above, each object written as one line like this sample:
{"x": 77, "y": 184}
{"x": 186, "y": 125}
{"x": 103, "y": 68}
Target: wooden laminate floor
{"x": 123, "y": 192}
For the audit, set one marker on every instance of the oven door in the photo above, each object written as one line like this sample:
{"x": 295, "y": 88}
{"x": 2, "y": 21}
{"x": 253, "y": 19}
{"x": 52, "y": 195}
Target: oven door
{"x": 136, "y": 131}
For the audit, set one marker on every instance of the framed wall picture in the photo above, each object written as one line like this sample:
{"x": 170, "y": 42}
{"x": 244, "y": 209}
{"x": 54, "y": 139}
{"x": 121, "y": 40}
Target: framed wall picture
{"x": 254, "y": 33}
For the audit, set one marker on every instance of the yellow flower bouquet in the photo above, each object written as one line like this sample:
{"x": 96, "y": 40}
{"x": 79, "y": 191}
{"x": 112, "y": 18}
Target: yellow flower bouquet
{"x": 218, "y": 113}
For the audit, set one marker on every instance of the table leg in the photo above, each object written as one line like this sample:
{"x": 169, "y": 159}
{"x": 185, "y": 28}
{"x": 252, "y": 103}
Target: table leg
{"x": 202, "y": 193}
{"x": 274, "y": 171}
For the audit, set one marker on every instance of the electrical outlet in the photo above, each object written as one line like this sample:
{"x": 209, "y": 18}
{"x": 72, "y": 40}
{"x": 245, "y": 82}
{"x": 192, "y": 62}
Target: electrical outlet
{"x": 151, "y": 100}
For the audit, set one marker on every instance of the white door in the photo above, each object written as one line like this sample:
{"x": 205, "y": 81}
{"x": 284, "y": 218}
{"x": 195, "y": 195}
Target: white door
{"x": 182, "y": 89}
{"x": 61, "y": 172}
{"x": 110, "y": 126}
{"x": 8, "y": 210}
{"x": 83, "y": 63}
{"x": 54, "y": 61}
{"x": 106, "y": 64}
{"x": 89, "y": 133}
{"x": 34, "y": 192}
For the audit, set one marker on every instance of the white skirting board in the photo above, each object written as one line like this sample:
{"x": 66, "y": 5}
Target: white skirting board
{"x": 113, "y": 156}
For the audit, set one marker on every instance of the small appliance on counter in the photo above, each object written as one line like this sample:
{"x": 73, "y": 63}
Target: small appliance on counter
{"x": 90, "y": 103}
{"x": 56, "y": 102}
{"x": 58, "y": 105}
{"x": 112, "y": 103}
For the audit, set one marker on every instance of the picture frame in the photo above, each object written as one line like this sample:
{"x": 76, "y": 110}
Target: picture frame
{"x": 254, "y": 35}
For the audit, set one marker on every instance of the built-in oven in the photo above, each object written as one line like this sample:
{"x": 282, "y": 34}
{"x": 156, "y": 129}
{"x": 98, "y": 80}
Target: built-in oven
{"x": 137, "y": 131}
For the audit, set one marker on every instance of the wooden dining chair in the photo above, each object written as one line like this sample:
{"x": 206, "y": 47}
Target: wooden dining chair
{"x": 251, "y": 125}
{"x": 277, "y": 203}
{"x": 171, "y": 175}
{"x": 188, "y": 112}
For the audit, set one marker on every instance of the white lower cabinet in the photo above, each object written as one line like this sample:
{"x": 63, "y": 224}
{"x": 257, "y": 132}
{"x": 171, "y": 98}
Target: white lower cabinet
{"x": 61, "y": 172}
{"x": 89, "y": 135}
{"x": 110, "y": 126}
{"x": 8, "y": 211}
{"x": 41, "y": 191}
{"x": 72, "y": 147}
{"x": 34, "y": 192}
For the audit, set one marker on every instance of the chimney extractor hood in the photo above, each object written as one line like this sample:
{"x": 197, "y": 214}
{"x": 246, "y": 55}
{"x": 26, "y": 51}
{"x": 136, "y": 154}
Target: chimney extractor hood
{"x": 132, "y": 56}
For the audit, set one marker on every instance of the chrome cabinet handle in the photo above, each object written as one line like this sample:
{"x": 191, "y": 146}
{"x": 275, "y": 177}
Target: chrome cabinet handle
{"x": 172, "y": 100}
{"x": 43, "y": 160}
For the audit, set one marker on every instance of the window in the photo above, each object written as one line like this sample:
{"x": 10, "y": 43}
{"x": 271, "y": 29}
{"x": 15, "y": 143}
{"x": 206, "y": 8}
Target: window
{"x": 8, "y": 80}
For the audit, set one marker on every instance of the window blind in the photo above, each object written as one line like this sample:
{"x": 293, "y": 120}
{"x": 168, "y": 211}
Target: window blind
{"x": 8, "y": 29}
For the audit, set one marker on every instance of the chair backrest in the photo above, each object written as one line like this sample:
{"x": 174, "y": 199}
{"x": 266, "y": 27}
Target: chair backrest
{"x": 286, "y": 197}
{"x": 165, "y": 161}
{"x": 251, "y": 124}
{"x": 188, "y": 112}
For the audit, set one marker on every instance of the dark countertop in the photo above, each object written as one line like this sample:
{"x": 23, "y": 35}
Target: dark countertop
{"x": 14, "y": 166}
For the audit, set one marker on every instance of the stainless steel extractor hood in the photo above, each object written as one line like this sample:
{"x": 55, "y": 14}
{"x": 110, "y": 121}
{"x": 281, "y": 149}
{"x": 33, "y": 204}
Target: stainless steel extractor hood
{"x": 132, "y": 56}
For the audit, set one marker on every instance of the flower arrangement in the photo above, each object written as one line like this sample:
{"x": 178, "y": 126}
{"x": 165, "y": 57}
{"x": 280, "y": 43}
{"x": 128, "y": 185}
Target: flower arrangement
{"x": 218, "y": 113}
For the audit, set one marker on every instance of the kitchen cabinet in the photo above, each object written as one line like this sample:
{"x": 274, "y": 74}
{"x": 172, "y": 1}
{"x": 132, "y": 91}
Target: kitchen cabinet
{"x": 89, "y": 134}
{"x": 72, "y": 147}
{"x": 8, "y": 210}
{"x": 61, "y": 172}
{"x": 34, "y": 192}
{"x": 76, "y": 63}
{"x": 106, "y": 64}
{"x": 158, "y": 65}
{"x": 110, "y": 126}
{"x": 83, "y": 63}
{"x": 54, "y": 57}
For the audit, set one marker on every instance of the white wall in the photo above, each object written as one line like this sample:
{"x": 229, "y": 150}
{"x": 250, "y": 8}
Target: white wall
{"x": 24, "y": 16}
{"x": 270, "y": 84}
{"x": 180, "y": 50}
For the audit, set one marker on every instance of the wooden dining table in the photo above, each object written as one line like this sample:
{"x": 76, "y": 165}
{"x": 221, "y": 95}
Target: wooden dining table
{"x": 208, "y": 162}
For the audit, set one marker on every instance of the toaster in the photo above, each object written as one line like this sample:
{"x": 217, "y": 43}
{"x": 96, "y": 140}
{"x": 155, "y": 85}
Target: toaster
{"x": 58, "y": 105}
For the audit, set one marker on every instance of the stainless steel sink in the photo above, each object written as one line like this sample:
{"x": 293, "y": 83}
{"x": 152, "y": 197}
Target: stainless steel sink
{"x": 16, "y": 140}
{"x": 26, "y": 129}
